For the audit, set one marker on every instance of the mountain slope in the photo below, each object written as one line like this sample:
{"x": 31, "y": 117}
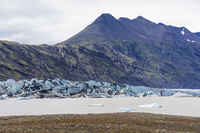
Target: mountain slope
{"x": 197, "y": 33}
{"x": 135, "y": 52}
{"x": 73, "y": 63}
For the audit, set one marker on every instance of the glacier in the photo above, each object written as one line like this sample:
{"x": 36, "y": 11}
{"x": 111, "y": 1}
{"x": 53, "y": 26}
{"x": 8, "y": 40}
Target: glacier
{"x": 61, "y": 88}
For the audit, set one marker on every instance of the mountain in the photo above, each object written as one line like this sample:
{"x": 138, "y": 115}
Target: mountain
{"x": 135, "y": 52}
{"x": 197, "y": 33}
{"x": 105, "y": 27}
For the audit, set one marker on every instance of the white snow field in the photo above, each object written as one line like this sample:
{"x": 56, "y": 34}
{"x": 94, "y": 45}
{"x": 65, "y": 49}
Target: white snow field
{"x": 187, "y": 106}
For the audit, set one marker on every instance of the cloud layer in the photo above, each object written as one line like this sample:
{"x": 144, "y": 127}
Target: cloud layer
{"x": 51, "y": 21}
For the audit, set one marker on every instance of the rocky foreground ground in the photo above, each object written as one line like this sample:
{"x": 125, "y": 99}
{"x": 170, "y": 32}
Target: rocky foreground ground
{"x": 115, "y": 122}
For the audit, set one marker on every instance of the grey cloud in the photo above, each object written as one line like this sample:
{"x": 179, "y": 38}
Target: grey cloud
{"x": 51, "y": 21}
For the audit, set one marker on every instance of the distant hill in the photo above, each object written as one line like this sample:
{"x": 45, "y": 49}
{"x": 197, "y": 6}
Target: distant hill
{"x": 135, "y": 52}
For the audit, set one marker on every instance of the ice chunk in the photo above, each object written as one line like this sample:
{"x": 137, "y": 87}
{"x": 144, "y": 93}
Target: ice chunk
{"x": 125, "y": 91}
{"x": 93, "y": 105}
{"x": 151, "y": 94}
{"x": 179, "y": 94}
{"x": 1, "y": 87}
{"x": 167, "y": 92}
{"x": 9, "y": 82}
{"x": 94, "y": 83}
{"x": 49, "y": 84}
{"x": 34, "y": 81}
{"x": 154, "y": 105}
{"x": 16, "y": 87}
{"x": 23, "y": 98}
{"x": 4, "y": 97}
{"x": 147, "y": 94}
{"x": 193, "y": 41}
{"x": 139, "y": 89}
{"x": 57, "y": 94}
{"x": 58, "y": 82}
{"x": 188, "y": 40}
{"x": 126, "y": 110}
{"x": 74, "y": 90}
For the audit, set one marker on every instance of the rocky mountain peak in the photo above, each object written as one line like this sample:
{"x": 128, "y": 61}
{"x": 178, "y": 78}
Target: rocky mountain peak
{"x": 123, "y": 19}
{"x": 142, "y": 20}
{"x": 105, "y": 18}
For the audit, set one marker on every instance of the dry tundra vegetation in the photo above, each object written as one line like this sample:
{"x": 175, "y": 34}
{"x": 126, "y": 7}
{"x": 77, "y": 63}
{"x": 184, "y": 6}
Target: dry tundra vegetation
{"x": 115, "y": 122}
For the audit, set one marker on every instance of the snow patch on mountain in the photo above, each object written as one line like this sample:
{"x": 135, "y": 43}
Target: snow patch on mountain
{"x": 183, "y": 32}
{"x": 190, "y": 40}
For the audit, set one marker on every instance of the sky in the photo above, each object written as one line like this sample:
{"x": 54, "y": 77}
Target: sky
{"x": 54, "y": 21}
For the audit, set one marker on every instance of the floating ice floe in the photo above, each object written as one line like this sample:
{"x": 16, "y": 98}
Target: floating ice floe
{"x": 4, "y": 97}
{"x": 127, "y": 110}
{"x": 23, "y": 98}
{"x": 93, "y": 105}
{"x": 154, "y": 105}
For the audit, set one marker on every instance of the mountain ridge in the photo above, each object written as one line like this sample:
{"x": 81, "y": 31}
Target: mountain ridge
{"x": 134, "y": 52}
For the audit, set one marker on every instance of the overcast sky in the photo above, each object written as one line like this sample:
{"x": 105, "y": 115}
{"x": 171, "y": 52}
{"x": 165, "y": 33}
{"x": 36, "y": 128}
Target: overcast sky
{"x": 53, "y": 21}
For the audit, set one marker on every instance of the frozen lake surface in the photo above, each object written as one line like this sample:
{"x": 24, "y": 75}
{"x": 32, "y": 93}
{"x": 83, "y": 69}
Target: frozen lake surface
{"x": 188, "y": 106}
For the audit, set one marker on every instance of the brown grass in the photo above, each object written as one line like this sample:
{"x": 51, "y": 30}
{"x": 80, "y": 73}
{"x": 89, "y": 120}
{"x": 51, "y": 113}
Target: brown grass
{"x": 116, "y": 122}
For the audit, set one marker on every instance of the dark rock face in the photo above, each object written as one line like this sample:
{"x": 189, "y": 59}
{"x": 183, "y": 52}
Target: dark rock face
{"x": 197, "y": 33}
{"x": 135, "y": 52}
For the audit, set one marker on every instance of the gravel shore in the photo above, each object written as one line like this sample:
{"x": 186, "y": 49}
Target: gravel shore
{"x": 114, "y": 122}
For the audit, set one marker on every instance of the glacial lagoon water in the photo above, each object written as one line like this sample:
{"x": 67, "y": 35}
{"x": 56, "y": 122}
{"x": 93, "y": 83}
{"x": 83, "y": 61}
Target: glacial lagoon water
{"x": 187, "y": 106}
